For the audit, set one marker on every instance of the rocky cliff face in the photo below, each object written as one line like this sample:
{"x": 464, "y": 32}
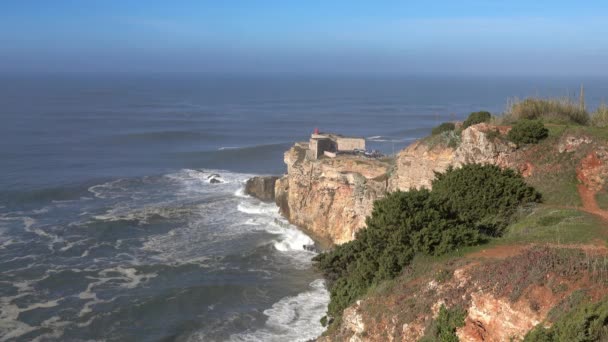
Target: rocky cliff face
{"x": 331, "y": 197}
{"x": 261, "y": 187}
{"x": 503, "y": 298}
{"x": 416, "y": 165}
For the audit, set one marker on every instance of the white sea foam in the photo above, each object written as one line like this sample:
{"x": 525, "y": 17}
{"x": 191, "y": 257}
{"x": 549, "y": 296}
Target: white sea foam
{"x": 292, "y": 318}
{"x": 290, "y": 240}
{"x": 127, "y": 278}
{"x": 11, "y": 326}
{"x": 107, "y": 190}
{"x": 205, "y": 213}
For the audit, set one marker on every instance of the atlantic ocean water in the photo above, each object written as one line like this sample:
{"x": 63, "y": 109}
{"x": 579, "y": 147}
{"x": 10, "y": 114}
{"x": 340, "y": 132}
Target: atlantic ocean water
{"x": 110, "y": 228}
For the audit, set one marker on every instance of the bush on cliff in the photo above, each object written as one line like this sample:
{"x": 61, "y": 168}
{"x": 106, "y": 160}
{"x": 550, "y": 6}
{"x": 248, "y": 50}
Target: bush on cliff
{"x": 475, "y": 118}
{"x": 444, "y": 127}
{"x": 528, "y": 132}
{"x": 482, "y": 196}
{"x": 465, "y": 207}
{"x": 444, "y": 326}
{"x": 587, "y": 322}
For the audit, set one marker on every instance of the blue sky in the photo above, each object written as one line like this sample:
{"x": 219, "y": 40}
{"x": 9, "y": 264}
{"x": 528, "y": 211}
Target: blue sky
{"x": 405, "y": 37}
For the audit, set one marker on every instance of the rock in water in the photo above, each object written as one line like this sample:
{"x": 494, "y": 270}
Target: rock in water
{"x": 215, "y": 178}
{"x": 261, "y": 187}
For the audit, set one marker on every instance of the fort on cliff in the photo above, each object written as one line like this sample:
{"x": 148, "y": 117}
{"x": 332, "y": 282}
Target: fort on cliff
{"x": 329, "y": 144}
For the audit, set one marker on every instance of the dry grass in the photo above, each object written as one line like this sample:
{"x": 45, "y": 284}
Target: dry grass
{"x": 559, "y": 110}
{"x": 599, "y": 118}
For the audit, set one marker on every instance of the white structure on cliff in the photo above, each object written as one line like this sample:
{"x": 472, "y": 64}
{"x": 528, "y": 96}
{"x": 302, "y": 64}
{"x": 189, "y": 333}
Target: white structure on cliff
{"x": 330, "y": 144}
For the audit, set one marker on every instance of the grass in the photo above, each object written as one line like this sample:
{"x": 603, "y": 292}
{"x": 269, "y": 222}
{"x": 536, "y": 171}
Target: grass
{"x": 450, "y": 139}
{"x": 599, "y": 118}
{"x": 602, "y": 199}
{"x": 555, "y": 175}
{"x": 553, "y": 225}
{"x": 558, "y": 110}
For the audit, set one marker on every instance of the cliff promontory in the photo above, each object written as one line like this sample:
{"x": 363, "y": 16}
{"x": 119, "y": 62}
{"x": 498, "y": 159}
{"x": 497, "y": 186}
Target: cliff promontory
{"x": 331, "y": 197}
{"x": 548, "y": 264}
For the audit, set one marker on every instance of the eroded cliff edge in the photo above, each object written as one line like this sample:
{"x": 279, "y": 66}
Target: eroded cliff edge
{"x": 544, "y": 265}
{"x": 331, "y": 197}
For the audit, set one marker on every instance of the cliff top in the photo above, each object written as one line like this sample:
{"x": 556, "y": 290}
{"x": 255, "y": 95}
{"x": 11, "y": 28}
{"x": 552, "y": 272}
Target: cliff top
{"x": 515, "y": 282}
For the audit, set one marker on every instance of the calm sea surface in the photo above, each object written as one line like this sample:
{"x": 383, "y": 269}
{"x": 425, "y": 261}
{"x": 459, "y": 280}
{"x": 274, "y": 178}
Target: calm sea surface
{"x": 111, "y": 230}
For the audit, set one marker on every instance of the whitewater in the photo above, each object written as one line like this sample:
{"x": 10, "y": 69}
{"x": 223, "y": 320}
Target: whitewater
{"x": 153, "y": 234}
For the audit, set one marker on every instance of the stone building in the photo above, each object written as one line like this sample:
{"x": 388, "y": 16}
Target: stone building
{"x": 331, "y": 144}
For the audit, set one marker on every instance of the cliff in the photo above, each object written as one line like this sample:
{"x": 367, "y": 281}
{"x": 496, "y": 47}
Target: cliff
{"x": 503, "y": 291}
{"x": 416, "y": 165}
{"x": 551, "y": 258}
{"x": 331, "y": 197}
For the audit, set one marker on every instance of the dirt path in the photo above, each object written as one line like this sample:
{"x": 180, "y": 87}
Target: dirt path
{"x": 590, "y": 206}
{"x": 590, "y": 203}
{"x": 596, "y": 247}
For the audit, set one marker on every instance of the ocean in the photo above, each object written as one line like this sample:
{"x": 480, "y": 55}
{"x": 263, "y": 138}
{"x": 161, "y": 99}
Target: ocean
{"x": 110, "y": 228}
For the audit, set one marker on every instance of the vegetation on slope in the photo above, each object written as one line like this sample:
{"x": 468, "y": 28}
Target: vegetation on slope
{"x": 444, "y": 327}
{"x": 528, "y": 132}
{"x": 599, "y": 118}
{"x": 476, "y": 118}
{"x": 444, "y": 127}
{"x": 563, "y": 111}
{"x": 466, "y": 206}
{"x": 586, "y": 322}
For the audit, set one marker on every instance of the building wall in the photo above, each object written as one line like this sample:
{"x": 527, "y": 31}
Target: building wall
{"x": 319, "y": 145}
{"x": 350, "y": 144}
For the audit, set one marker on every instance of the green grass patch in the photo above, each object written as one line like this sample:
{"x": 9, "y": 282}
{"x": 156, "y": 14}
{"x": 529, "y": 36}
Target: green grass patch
{"x": 602, "y": 199}
{"x": 552, "y": 225}
{"x": 555, "y": 176}
{"x": 558, "y": 188}
{"x": 585, "y": 322}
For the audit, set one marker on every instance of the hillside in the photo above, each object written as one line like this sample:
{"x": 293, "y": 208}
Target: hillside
{"x": 551, "y": 260}
{"x": 547, "y": 268}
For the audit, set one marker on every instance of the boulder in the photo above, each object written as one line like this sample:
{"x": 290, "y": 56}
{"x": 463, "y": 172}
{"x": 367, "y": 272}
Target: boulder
{"x": 261, "y": 187}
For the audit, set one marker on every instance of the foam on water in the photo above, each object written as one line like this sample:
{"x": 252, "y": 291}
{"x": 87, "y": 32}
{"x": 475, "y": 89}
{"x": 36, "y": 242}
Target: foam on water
{"x": 199, "y": 220}
{"x": 291, "y": 239}
{"x": 292, "y": 318}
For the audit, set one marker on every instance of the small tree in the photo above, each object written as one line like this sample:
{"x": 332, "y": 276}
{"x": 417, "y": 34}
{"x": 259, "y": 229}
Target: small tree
{"x": 475, "y": 118}
{"x": 444, "y": 127}
{"x": 528, "y": 132}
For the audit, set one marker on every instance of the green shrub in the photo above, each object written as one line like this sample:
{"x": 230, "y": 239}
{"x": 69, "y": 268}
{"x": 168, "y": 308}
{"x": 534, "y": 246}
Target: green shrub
{"x": 444, "y": 127}
{"x": 484, "y": 196}
{"x": 563, "y": 110}
{"x": 588, "y": 322}
{"x": 475, "y": 118}
{"x": 528, "y": 132}
{"x": 599, "y": 118}
{"x": 444, "y": 327}
{"x": 466, "y": 206}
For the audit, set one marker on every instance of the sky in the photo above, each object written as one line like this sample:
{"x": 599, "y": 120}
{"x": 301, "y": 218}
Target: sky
{"x": 309, "y": 36}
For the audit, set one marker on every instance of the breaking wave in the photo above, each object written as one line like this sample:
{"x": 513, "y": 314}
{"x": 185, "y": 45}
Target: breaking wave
{"x": 132, "y": 236}
{"x": 293, "y": 318}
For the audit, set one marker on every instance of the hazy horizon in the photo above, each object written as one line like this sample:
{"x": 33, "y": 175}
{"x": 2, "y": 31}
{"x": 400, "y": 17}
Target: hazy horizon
{"x": 289, "y": 37}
